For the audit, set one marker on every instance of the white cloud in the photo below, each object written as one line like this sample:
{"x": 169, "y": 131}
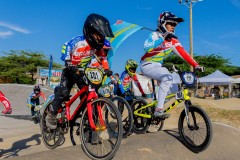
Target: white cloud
{"x": 6, "y": 34}
{"x": 14, "y": 28}
{"x": 236, "y": 3}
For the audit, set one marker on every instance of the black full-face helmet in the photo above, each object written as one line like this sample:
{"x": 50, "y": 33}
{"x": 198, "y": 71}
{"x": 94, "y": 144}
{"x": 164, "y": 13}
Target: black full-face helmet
{"x": 95, "y": 29}
{"x": 166, "y": 17}
{"x": 37, "y": 89}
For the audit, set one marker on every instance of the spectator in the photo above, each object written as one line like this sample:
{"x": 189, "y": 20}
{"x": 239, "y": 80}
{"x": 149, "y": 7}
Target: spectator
{"x": 207, "y": 92}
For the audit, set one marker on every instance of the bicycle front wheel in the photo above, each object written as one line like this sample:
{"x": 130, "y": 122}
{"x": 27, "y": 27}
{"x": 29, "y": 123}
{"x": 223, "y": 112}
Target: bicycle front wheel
{"x": 196, "y": 135}
{"x": 52, "y": 138}
{"x": 104, "y": 143}
{"x": 126, "y": 113}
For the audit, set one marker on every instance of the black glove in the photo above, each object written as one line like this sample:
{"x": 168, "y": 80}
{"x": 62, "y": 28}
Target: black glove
{"x": 200, "y": 68}
{"x": 108, "y": 72}
{"x": 127, "y": 94}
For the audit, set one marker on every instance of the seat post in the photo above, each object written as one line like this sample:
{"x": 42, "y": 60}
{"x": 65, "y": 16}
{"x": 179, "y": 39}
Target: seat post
{"x": 153, "y": 87}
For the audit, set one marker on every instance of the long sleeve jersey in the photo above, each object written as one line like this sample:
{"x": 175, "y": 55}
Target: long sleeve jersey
{"x": 156, "y": 49}
{"x": 35, "y": 96}
{"x": 126, "y": 80}
{"x": 78, "y": 52}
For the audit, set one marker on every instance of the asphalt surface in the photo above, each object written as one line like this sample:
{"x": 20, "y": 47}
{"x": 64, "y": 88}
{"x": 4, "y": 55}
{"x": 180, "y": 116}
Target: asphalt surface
{"x": 165, "y": 145}
{"x": 20, "y": 139}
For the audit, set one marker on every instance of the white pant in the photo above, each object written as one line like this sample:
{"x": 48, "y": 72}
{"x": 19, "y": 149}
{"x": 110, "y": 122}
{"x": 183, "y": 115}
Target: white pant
{"x": 161, "y": 74}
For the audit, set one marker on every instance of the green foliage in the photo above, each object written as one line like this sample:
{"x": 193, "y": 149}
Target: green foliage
{"x": 211, "y": 62}
{"x": 21, "y": 66}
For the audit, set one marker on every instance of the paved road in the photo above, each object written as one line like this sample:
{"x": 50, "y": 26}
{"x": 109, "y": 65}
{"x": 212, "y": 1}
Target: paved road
{"x": 164, "y": 145}
{"x": 21, "y": 139}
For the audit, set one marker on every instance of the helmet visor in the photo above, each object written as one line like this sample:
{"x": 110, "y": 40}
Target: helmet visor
{"x": 133, "y": 70}
{"x": 98, "y": 37}
{"x": 174, "y": 19}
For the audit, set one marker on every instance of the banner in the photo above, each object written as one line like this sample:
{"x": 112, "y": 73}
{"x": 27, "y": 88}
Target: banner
{"x": 121, "y": 30}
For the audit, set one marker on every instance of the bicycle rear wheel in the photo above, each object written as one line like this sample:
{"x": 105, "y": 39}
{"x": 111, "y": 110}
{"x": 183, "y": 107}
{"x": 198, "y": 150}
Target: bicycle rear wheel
{"x": 126, "y": 113}
{"x": 51, "y": 138}
{"x": 198, "y": 135}
{"x": 75, "y": 131}
{"x": 102, "y": 144}
{"x": 140, "y": 124}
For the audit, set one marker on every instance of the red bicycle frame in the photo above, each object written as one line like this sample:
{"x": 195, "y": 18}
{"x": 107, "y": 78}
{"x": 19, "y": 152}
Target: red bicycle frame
{"x": 88, "y": 97}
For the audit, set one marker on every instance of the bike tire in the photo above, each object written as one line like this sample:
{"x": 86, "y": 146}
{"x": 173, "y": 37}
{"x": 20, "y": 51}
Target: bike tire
{"x": 75, "y": 131}
{"x": 126, "y": 114}
{"x": 94, "y": 142}
{"x": 161, "y": 123}
{"x": 194, "y": 111}
{"x": 140, "y": 124}
{"x": 48, "y": 134}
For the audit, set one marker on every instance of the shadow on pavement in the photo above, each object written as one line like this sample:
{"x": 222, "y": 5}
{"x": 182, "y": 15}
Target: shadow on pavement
{"x": 20, "y": 117}
{"x": 19, "y": 145}
{"x": 174, "y": 134}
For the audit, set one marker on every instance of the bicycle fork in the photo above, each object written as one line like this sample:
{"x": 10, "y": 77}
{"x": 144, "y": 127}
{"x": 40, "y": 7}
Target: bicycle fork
{"x": 187, "y": 104}
{"x": 90, "y": 110}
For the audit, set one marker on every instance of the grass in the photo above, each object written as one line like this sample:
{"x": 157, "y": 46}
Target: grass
{"x": 229, "y": 117}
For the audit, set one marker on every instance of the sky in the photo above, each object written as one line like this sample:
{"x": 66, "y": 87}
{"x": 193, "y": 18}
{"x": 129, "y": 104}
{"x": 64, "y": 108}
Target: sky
{"x": 44, "y": 25}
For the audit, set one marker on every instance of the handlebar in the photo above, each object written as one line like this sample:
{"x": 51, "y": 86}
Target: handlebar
{"x": 172, "y": 67}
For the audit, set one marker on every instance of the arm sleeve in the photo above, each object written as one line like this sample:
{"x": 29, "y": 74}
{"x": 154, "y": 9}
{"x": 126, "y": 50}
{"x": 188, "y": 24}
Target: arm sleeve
{"x": 43, "y": 96}
{"x": 121, "y": 83}
{"x": 180, "y": 51}
{"x": 68, "y": 46}
{"x": 29, "y": 100}
{"x": 121, "y": 86}
{"x": 103, "y": 59}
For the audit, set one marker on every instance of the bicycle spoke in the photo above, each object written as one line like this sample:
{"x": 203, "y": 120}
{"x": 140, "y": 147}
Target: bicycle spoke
{"x": 101, "y": 142}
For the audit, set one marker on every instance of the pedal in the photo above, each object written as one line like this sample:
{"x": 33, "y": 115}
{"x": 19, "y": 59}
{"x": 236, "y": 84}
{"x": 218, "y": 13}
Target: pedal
{"x": 165, "y": 116}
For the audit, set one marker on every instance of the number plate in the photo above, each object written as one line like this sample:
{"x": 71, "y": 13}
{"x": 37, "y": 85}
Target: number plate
{"x": 94, "y": 75}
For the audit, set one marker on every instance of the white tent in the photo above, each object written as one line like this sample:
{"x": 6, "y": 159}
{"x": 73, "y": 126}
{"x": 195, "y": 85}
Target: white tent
{"x": 237, "y": 80}
{"x": 216, "y": 78}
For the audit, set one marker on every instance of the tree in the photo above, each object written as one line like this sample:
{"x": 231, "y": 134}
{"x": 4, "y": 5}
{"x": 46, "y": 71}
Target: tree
{"x": 21, "y": 66}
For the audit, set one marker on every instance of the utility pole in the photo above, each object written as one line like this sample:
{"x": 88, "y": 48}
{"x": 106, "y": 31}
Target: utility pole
{"x": 190, "y": 4}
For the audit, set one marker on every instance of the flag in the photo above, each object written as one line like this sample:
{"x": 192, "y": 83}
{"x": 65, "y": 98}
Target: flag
{"x": 121, "y": 30}
{"x": 50, "y": 69}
